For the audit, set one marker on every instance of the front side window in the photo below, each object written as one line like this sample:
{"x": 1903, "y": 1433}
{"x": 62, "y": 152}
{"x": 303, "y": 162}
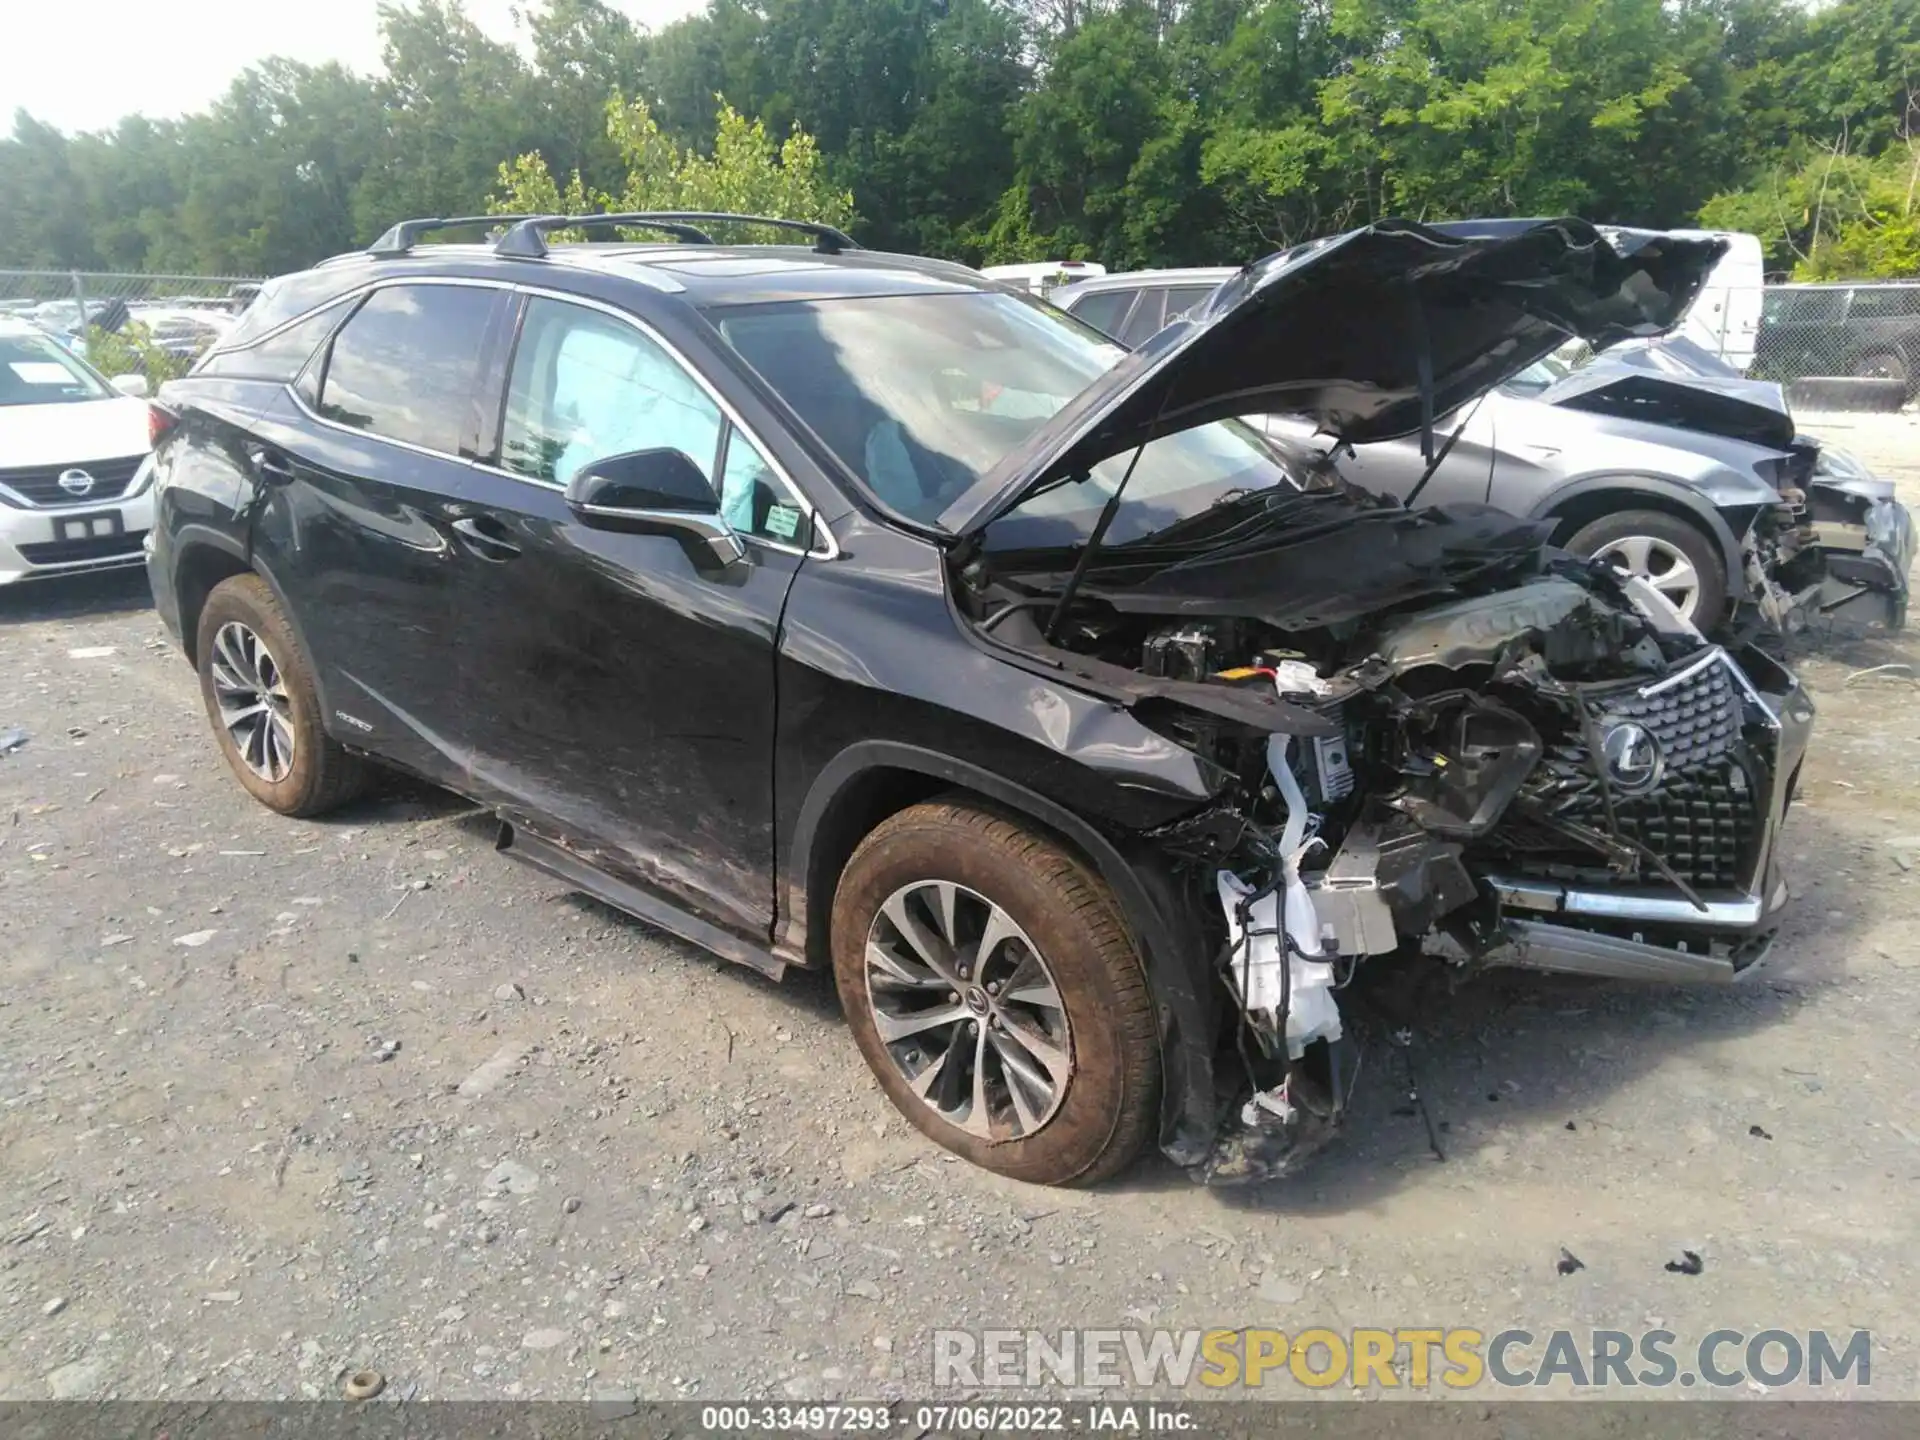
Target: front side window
{"x": 38, "y": 370}
{"x": 403, "y": 367}
{"x": 1803, "y": 307}
{"x": 586, "y": 386}
{"x": 920, "y": 396}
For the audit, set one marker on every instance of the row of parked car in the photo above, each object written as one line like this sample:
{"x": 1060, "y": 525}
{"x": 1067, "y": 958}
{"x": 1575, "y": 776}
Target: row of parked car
{"x": 183, "y": 328}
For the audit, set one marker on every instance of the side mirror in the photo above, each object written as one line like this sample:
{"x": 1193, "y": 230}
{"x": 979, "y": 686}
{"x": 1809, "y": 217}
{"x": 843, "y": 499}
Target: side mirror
{"x": 656, "y": 492}
{"x": 134, "y": 384}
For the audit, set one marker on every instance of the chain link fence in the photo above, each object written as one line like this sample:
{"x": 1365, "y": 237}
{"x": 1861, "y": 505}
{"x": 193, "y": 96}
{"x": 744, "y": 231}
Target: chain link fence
{"x": 156, "y": 325}
{"x": 1858, "y": 330}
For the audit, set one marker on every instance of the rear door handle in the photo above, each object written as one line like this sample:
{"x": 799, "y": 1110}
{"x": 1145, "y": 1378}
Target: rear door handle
{"x": 270, "y": 465}
{"x": 485, "y": 538}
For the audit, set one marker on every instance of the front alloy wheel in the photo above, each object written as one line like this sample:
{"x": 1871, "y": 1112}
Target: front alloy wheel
{"x": 994, "y": 991}
{"x": 1661, "y": 564}
{"x": 1674, "y": 556}
{"x": 968, "y": 1010}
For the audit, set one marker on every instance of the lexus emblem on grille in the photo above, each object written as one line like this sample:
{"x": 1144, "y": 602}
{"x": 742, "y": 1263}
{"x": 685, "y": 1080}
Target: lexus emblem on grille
{"x": 1632, "y": 757}
{"x": 76, "y": 482}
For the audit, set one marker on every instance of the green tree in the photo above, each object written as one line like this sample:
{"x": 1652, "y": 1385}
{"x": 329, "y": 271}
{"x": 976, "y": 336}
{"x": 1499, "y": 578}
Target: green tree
{"x": 746, "y": 173}
{"x": 1135, "y": 132}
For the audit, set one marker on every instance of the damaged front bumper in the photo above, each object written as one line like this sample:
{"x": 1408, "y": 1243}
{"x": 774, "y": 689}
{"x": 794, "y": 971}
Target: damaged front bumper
{"x": 1868, "y": 561}
{"x": 1732, "y": 734}
{"x": 1861, "y": 541}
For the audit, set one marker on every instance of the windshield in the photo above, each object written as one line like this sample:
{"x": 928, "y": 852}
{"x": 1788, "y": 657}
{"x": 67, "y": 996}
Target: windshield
{"x": 38, "y": 370}
{"x": 921, "y": 395}
{"x": 1538, "y": 376}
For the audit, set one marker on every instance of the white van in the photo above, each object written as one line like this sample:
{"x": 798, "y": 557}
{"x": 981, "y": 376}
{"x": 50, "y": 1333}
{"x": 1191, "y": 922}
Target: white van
{"x": 1045, "y": 276}
{"x": 1726, "y": 317}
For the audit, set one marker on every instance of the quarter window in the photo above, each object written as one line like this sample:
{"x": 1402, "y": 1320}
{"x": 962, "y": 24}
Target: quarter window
{"x": 403, "y": 367}
{"x": 279, "y": 357}
{"x": 586, "y": 386}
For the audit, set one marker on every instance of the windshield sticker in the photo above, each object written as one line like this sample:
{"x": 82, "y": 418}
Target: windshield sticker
{"x": 783, "y": 520}
{"x": 41, "y": 372}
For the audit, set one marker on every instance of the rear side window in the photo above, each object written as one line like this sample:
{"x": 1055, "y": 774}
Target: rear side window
{"x": 283, "y": 355}
{"x": 403, "y": 367}
{"x": 1145, "y": 320}
{"x": 1103, "y": 309}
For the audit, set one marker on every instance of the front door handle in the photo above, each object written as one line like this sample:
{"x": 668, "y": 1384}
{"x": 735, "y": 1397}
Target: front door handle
{"x": 270, "y": 465}
{"x": 485, "y": 538}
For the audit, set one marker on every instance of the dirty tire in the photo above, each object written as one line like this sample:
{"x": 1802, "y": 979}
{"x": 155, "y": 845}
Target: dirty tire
{"x": 1701, "y": 550}
{"x": 1112, "y": 1098}
{"x": 323, "y": 775}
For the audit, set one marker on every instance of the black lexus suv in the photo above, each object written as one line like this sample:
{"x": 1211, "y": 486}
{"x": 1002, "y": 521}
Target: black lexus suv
{"x": 831, "y": 608}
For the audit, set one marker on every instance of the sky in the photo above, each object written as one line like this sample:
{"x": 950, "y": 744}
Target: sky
{"x": 82, "y": 64}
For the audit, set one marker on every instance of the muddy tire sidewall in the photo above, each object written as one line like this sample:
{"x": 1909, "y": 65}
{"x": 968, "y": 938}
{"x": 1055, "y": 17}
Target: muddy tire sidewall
{"x": 1070, "y": 917}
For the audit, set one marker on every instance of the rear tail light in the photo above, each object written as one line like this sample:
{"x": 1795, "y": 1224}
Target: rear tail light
{"x": 160, "y": 424}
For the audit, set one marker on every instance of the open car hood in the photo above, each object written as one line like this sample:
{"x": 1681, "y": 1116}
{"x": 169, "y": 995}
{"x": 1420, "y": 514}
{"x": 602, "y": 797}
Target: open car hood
{"x": 1680, "y": 383}
{"x": 1370, "y": 335}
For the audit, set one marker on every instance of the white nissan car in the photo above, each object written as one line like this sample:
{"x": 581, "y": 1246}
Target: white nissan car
{"x": 74, "y": 480}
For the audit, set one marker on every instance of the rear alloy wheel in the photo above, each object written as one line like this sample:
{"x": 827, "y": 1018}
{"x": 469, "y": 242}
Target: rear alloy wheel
{"x": 251, "y": 698}
{"x": 259, "y": 691}
{"x": 993, "y": 991}
{"x": 1675, "y": 557}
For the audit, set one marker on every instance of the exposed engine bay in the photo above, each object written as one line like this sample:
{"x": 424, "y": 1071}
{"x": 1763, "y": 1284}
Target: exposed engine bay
{"x": 1435, "y": 739}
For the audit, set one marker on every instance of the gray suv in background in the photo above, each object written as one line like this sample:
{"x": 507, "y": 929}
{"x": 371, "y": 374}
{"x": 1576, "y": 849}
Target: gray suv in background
{"x": 1654, "y": 456}
{"x": 1872, "y": 331}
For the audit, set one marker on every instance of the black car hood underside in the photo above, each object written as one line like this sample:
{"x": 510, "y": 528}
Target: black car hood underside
{"x": 1371, "y": 335}
{"x": 1679, "y": 383}
{"x": 1298, "y": 560}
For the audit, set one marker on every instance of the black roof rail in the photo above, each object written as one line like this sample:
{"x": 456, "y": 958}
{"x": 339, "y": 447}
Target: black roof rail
{"x": 404, "y": 236}
{"x": 527, "y": 240}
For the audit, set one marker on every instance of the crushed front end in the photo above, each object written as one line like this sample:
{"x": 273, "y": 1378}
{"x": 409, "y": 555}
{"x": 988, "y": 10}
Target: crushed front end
{"x": 1433, "y": 742}
{"x": 1551, "y": 770}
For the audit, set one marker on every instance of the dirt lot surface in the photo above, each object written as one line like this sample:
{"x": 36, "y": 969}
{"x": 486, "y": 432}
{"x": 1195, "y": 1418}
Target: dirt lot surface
{"x": 282, "y": 1098}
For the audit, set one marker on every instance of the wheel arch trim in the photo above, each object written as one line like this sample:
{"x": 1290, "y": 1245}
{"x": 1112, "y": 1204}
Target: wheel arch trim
{"x": 1169, "y": 943}
{"x": 257, "y": 565}
{"x": 1671, "y": 495}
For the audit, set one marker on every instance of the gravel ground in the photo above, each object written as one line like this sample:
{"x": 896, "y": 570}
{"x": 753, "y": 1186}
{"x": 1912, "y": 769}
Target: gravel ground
{"x": 281, "y": 1099}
